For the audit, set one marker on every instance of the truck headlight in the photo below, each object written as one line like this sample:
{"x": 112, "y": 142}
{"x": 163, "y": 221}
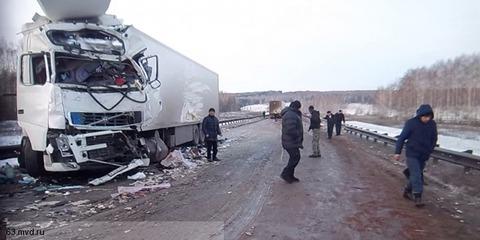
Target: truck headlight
{"x": 62, "y": 143}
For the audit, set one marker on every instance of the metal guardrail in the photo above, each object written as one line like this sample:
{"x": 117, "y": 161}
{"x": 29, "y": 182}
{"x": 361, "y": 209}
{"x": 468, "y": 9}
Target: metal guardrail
{"x": 237, "y": 120}
{"x": 465, "y": 159}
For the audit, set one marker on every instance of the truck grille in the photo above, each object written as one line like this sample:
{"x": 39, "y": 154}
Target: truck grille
{"x": 106, "y": 119}
{"x": 116, "y": 151}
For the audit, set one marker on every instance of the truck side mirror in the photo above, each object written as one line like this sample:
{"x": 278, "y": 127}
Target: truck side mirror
{"x": 150, "y": 65}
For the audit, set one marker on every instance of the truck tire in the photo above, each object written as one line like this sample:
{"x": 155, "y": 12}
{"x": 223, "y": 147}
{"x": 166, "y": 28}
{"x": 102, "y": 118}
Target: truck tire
{"x": 33, "y": 159}
{"x": 196, "y": 136}
{"x": 21, "y": 156}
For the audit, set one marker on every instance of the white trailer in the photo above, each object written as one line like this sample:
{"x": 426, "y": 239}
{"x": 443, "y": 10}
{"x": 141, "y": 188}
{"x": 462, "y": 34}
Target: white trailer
{"x": 93, "y": 91}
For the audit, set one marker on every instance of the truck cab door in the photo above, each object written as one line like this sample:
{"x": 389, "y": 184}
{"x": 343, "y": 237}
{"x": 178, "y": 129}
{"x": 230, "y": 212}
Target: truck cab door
{"x": 33, "y": 94}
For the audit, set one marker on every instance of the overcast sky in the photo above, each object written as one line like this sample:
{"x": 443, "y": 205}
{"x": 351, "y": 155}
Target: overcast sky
{"x": 297, "y": 45}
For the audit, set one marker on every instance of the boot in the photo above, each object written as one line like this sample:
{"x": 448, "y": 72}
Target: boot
{"x": 295, "y": 179}
{"x": 407, "y": 194}
{"x": 417, "y": 198}
{"x": 286, "y": 179}
{"x": 215, "y": 159}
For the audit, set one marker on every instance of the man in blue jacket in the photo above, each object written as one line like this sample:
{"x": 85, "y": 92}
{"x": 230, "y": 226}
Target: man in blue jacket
{"x": 211, "y": 128}
{"x": 421, "y": 133}
{"x": 292, "y": 139}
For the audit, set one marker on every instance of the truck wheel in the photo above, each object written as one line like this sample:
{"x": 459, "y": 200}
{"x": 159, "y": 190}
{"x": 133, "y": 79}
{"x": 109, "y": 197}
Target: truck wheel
{"x": 21, "y": 156}
{"x": 33, "y": 159}
{"x": 196, "y": 136}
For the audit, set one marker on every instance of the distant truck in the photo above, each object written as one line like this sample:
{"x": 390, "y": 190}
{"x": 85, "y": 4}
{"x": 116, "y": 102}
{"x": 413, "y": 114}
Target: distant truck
{"x": 92, "y": 91}
{"x": 274, "y": 109}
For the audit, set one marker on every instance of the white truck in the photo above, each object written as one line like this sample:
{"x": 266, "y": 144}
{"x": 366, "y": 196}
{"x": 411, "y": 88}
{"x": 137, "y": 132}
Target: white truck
{"x": 92, "y": 91}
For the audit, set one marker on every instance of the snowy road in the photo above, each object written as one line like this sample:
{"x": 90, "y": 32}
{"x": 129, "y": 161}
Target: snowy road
{"x": 350, "y": 193}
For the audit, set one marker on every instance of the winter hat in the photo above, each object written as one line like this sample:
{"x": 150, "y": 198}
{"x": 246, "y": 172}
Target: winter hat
{"x": 296, "y": 104}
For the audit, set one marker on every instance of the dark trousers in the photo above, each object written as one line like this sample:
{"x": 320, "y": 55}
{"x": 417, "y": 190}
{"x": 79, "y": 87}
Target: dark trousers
{"x": 338, "y": 128}
{"x": 289, "y": 170}
{"x": 211, "y": 144}
{"x": 330, "y": 130}
{"x": 415, "y": 174}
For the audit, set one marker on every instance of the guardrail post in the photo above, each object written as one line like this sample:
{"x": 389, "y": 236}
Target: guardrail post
{"x": 385, "y": 143}
{"x": 466, "y": 170}
{"x": 375, "y": 139}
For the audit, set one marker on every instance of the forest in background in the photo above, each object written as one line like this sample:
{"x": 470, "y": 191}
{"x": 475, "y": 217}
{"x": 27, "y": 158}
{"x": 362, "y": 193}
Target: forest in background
{"x": 452, "y": 87}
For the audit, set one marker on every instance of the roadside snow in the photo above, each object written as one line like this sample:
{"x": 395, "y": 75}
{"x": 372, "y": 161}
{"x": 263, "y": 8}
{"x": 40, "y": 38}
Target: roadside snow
{"x": 12, "y": 161}
{"x": 449, "y": 142}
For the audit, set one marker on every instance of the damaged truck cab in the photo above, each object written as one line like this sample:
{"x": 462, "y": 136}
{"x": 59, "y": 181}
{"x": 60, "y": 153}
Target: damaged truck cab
{"x": 94, "y": 92}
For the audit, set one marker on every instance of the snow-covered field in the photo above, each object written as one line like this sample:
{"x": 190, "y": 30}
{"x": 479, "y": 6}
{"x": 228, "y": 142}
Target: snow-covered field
{"x": 452, "y": 142}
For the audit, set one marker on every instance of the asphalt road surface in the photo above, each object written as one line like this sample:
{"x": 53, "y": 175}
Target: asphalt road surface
{"x": 349, "y": 193}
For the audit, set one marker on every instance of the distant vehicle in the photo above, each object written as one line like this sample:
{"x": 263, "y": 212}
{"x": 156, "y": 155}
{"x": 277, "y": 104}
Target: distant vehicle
{"x": 274, "y": 109}
{"x": 92, "y": 91}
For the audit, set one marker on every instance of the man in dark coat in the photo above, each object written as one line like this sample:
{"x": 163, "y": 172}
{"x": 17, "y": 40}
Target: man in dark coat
{"x": 292, "y": 139}
{"x": 315, "y": 127}
{"x": 330, "y": 123}
{"x": 339, "y": 118}
{"x": 421, "y": 133}
{"x": 211, "y": 128}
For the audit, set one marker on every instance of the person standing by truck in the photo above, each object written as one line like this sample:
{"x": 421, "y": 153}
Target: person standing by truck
{"x": 315, "y": 127}
{"x": 292, "y": 139}
{"x": 330, "y": 123}
{"x": 211, "y": 128}
{"x": 339, "y": 118}
{"x": 421, "y": 133}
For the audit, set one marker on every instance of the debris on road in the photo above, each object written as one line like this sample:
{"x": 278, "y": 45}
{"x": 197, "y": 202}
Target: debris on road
{"x": 135, "y": 189}
{"x": 122, "y": 169}
{"x": 137, "y": 176}
{"x": 27, "y": 179}
{"x": 7, "y": 174}
{"x": 176, "y": 159}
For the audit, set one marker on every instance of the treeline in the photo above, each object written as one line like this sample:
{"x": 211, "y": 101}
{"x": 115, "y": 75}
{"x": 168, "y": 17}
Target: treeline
{"x": 452, "y": 87}
{"x": 8, "y": 59}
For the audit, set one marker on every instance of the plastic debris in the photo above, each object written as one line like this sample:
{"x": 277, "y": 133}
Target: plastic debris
{"x": 122, "y": 169}
{"x": 137, "y": 176}
{"x": 26, "y": 180}
{"x": 7, "y": 174}
{"x": 176, "y": 159}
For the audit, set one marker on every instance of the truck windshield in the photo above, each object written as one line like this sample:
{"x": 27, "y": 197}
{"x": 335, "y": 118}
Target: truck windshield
{"x": 93, "y": 72}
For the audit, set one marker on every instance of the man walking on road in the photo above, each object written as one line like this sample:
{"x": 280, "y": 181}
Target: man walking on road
{"x": 339, "y": 118}
{"x": 421, "y": 133}
{"x": 292, "y": 139}
{"x": 315, "y": 127}
{"x": 211, "y": 128}
{"x": 330, "y": 123}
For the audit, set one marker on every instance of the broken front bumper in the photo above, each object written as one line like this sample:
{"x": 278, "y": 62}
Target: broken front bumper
{"x": 72, "y": 152}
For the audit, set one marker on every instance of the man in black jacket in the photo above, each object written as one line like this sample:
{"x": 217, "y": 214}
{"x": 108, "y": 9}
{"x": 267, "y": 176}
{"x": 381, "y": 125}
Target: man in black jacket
{"x": 421, "y": 133}
{"x": 211, "y": 128}
{"x": 315, "y": 127}
{"x": 330, "y": 123}
{"x": 339, "y": 118}
{"x": 292, "y": 139}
